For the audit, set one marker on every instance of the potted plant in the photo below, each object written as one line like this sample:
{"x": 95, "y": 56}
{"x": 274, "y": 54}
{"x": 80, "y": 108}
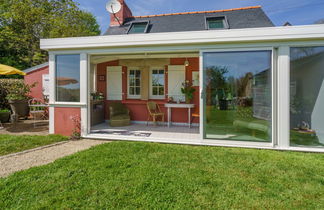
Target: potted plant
{"x": 4, "y": 115}
{"x": 188, "y": 90}
{"x": 18, "y": 97}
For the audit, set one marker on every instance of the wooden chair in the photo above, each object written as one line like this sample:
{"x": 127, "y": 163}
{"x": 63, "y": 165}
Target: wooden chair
{"x": 154, "y": 112}
{"x": 195, "y": 114}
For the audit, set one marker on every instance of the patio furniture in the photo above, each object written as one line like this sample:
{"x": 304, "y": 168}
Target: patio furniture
{"x": 154, "y": 112}
{"x": 195, "y": 114}
{"x": 38, "y": 109}
{"x": 170, "y": 105}
{"x": 119, "y": 115}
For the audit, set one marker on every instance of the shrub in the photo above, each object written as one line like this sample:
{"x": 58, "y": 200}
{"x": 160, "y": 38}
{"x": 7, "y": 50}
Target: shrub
{"x": 13, "y": 89}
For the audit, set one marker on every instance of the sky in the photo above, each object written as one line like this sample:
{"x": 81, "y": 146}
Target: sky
{"x": 297, "y": 12}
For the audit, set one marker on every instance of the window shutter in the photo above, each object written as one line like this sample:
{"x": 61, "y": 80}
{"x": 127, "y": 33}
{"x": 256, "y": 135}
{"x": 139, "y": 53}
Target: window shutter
{"x": 114, "y": 83}
{"x": 176, "y": 76}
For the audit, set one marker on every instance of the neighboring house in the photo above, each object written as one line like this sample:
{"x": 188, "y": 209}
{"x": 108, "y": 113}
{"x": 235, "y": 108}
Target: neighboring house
{"x": 38, "y": 74}
{"x": 237, "y": 59}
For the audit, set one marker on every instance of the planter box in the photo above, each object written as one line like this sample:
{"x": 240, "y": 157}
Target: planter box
{"x": 4, "y": 117}
{"x": 19, "y": 107}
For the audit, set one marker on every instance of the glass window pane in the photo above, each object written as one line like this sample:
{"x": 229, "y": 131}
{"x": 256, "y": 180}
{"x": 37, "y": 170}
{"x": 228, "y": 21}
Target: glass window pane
{"x": 238, "y": 99}
{"x": 155, "y": 91}
{"x": 161, "y": 91}
{"x": 131, "y": 81}
{"x": 215, "y": 23}
{"x": 131, "y": 91}
{"x": 68, "y": 78}
{"x": 138, "y": 74}
{"x": 138, "y": 91}
{"x": 138, "y": 82}
{"x": 307, "y": 96}
{"x": 138, "y": 28}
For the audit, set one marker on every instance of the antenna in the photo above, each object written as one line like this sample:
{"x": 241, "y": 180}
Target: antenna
{"x": 114, "y": 6}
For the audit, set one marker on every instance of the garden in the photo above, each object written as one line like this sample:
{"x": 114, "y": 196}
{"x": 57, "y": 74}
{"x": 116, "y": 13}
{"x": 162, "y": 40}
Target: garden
{"x": 135, "y": 175}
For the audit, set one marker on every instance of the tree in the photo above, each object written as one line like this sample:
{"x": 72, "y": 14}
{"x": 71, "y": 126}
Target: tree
{"x": 24, "y": 22}
{"x": 321, "y": 21}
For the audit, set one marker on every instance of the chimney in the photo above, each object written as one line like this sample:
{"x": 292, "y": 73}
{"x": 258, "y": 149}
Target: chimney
{"x": 124, "y": 13}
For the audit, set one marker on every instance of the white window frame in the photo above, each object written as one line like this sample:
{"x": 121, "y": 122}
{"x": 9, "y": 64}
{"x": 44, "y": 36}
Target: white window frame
{"x": 151, "y": 83}
{"x": 129, "y": 96}
{"x": 274, "y": 110}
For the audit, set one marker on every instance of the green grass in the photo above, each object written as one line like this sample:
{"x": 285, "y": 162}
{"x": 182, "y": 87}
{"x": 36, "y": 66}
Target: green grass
{"x": 129, "y": 175}
{"x": 13, "y": 143}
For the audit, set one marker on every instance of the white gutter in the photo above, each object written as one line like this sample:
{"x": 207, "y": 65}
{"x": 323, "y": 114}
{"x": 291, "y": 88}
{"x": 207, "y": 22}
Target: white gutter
{"x": 282, "y": 33}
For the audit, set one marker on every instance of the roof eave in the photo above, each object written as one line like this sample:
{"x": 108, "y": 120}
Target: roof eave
{"x": 193, "y": 37}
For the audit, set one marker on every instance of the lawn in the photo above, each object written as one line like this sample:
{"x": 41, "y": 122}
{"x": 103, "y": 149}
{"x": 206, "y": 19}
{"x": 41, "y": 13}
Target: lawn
{"x": 131, "y": 175}
{"x": 13, "y": 143}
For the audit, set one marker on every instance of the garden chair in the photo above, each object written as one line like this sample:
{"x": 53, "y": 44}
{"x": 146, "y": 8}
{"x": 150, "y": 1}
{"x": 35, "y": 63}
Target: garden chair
{"x": 38, "y": 110}
{"x": 154, "y": 112}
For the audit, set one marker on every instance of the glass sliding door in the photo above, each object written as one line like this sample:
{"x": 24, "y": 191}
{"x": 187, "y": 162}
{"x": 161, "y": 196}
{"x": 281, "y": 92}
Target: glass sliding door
{"x": 307, "y": 96}
{"x": 238, "y": 95}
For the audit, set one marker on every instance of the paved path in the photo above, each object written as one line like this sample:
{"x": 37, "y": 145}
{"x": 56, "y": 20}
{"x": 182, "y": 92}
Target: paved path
{"x": 42, "y": 156}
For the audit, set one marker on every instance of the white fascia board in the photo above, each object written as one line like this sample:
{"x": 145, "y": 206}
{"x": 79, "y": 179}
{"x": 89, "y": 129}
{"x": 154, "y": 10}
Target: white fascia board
{"x": 282, "y": 33}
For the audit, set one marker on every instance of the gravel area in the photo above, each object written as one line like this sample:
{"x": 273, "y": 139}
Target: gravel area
{"x": 37, "y": 157}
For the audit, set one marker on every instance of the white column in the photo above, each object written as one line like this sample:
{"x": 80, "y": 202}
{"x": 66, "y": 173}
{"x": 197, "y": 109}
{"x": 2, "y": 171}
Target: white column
{"x": 51, "y": 91}
{"x": 283, "y": 81}
{"x": 201, "y": 97}
{"x": 84, "y": 92}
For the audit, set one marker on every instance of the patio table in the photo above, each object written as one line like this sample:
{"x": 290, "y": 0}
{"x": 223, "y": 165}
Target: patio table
{"x": 169, "y": 106}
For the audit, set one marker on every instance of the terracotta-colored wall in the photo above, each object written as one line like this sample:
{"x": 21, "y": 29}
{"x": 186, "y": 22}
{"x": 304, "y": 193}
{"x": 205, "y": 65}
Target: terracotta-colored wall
{"x": 138, "y": 110}
{"x": 36, "y": 76}
{"x": 63, "y": 123}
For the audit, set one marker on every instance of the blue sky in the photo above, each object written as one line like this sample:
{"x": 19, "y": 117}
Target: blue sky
{"x": 297, "y": 12}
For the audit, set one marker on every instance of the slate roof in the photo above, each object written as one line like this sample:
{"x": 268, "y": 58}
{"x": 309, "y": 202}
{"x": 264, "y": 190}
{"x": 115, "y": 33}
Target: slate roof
{"x": 247, "y": 17}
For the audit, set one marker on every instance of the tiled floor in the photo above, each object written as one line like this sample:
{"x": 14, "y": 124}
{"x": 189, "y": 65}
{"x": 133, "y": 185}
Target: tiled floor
{"x": 150, "y": 132}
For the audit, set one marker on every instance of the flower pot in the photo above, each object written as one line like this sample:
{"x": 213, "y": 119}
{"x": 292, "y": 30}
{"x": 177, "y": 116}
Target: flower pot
{"x": 188, "y": 100}
{"x": 4, "y": 117}
{"x": 19, "y": 107}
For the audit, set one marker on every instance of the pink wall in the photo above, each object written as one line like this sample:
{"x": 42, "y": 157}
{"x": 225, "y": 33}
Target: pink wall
{"x": 63, "y": 123}
{"x": 138, "y": 110}
{"x": 36, "y": 76}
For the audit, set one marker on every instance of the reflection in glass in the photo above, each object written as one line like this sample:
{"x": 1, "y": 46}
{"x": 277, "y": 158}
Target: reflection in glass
{"x": 238, "y": 99}
{"x": 68, "y": 78}
{"x": 307, "y": 96}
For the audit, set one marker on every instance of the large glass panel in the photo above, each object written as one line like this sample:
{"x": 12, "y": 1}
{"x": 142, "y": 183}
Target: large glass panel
{"x": 307, "y": 96}
{"x": 68, "y": 78}
{"x": 238, "y": 99}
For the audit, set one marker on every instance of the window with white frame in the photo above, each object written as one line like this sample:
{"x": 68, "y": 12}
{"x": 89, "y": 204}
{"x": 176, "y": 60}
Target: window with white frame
{"x": 157, "y": 82}
{"x": 134, "y": 83}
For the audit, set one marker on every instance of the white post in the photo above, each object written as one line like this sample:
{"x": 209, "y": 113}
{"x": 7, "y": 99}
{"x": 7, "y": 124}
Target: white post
{"x": 52, "y": 96}
{"x": 283, "y": 81}
{"x": 201, "y": 97}
{"x": 84, "y": 92}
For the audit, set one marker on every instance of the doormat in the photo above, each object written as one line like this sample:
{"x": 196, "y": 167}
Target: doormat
{"x": 124, "y": 133}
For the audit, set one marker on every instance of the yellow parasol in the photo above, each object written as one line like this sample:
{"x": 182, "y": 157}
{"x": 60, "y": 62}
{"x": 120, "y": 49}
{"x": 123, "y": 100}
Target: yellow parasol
{"x": 8, "y": 70}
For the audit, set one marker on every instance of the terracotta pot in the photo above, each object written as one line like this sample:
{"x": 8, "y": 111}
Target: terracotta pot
{"x": 19, "y": 107}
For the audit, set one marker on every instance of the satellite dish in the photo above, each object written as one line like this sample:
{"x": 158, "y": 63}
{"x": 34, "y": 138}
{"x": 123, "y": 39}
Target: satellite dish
{"x": 113, "y": 6}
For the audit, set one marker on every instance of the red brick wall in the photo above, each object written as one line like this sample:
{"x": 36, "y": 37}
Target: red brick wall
{"x": 36, "y": 76}
{"x": 63, "y": 123}
{"x": 124, "y": 13}
{"x": 138, "y": 110}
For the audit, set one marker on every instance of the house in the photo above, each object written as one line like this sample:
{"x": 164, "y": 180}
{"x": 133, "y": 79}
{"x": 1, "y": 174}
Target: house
{"x": 38, "y": 74}
{"x": 239, "y": 64}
